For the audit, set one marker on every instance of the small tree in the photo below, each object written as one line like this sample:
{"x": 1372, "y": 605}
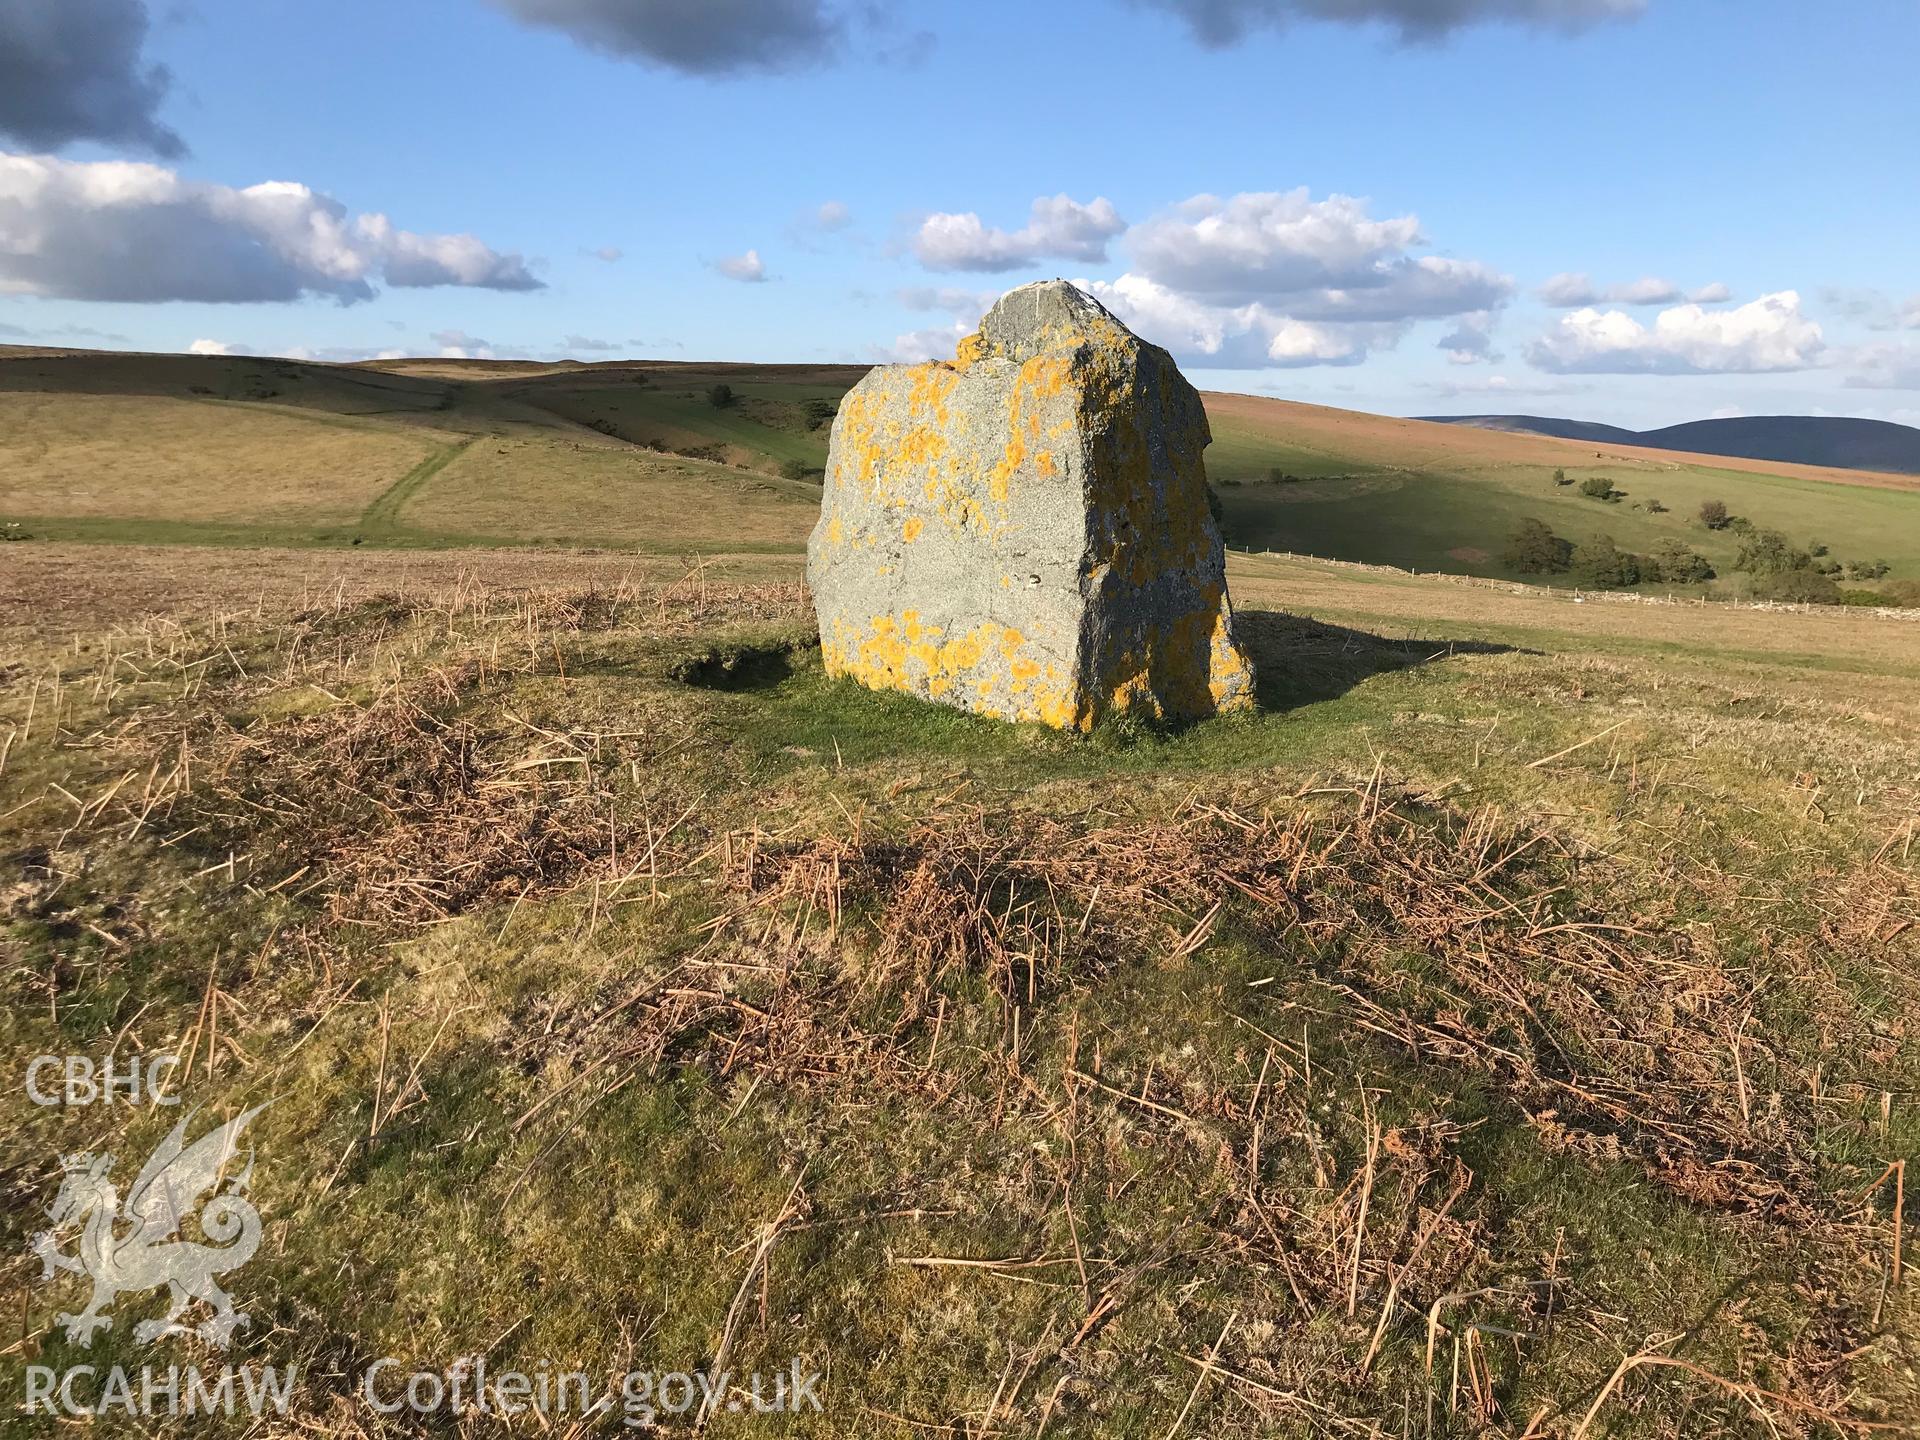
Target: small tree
{"x": 1533, "y": 549}
{"x": 1654, "y": 507}
{"x": 1560, "y": 478}
{"x": 1769, "y": 552}
{"x": 1603, "y": 565}
{"x": 1597, "y": 487}
{"x": 1797, "y": 587}
{"x": 1675, "y": 564}
{"x": 1713, "y": 514}
{"x": 720, "y": 396}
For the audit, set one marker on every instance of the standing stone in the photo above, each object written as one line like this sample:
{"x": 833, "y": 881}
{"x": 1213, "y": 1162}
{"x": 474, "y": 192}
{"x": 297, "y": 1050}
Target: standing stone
{"x": 1023, "y": 531}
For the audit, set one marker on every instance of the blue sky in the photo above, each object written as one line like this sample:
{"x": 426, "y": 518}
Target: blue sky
{"x": 1408, "y": 206}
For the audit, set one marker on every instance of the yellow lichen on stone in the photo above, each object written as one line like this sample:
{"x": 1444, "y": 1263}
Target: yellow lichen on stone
{"x": 1075, "y": 569}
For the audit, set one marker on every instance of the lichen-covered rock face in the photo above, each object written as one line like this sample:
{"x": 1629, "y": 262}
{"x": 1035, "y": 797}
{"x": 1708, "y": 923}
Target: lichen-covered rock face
{"x": 1023, "y": 531}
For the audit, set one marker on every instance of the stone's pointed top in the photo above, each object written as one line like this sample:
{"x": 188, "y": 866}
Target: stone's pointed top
{"x": 1040, "y": 317}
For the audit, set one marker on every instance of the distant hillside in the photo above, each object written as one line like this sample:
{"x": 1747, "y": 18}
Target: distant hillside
{"x": 1544, "y": 425}
{"x": 1831, "y": 440}
{"x": 704, "y": 456}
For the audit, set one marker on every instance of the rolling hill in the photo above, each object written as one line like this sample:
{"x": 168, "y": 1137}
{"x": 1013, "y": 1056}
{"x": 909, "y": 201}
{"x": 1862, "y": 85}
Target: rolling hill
{"x": 1830, "y": 440}
{"x": 637, "y": 455}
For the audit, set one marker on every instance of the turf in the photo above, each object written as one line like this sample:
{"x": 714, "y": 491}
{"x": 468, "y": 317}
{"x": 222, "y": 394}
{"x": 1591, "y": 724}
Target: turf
{"x": 1528, "y": 987}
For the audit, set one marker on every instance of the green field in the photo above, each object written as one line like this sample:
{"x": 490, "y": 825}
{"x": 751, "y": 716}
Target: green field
{"x": 230, "y": 451}
{"x": 1359, "y": 497}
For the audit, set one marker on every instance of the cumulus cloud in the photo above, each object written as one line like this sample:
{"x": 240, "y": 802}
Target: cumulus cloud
{"x": 1220, "y": 23}
{"x": 1471, "y": 341}
{"x": 918, "y": 346}
{"x": 117, "y": 230}
{"x": 1242, "y": 337}
{"x": 1059, "y": 228}
{"x": 696, "y": 37}
{"x": 215, "y": 347}
{"x": 72, "y": 70}
{"x": 607, "y": 253}
{"x": 1249, "y": 281}
{"x": 459, "y": 345}
{"x": 1884, "y": 367}
{"x": 1766, "y": 335}
{"x": 1318, "y": 260}
{"x": 1570, "y": 292}
{"x": 749, "y": 268}
{"x": 832, "y": 215}
{"x": 588, "y": 342}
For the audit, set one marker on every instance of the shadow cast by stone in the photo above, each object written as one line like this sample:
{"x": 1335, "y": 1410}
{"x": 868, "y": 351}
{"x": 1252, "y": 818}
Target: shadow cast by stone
{"x": 1298, "y": 661}
{"x": 739, "y": 667}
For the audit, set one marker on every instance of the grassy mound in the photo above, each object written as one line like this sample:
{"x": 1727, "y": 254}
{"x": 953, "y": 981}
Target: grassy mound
{"x": 1507, "y": 1031}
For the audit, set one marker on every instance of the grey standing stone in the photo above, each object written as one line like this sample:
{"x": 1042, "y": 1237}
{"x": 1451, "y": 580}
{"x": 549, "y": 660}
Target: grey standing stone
{"x": 1023, "y": 531}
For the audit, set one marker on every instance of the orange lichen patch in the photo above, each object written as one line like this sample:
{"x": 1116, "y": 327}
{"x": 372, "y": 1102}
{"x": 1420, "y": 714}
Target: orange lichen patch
{"x": 970, "y": 351}
{"x": 932, "y": 383}
{"x": 910, "y": 531}
{"x": 902, "y": 652}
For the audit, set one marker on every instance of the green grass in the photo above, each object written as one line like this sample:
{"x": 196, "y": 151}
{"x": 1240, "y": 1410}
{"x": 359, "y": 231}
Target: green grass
{"x": 552, "y": 1044}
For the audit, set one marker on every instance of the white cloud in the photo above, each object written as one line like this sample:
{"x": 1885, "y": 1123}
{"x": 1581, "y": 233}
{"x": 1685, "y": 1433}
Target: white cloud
{"x": 1311, "y": 259}
{"x": 832, "y": 215}
{"x": 1242, "y": 337}
{"x": 748, "y": 268}
{"x": 1766, "y": 335}
{"x": 1262, "y": 245}
{"x": 588, "y": 342}
{"x": 918, "y": 346}
{"x": 606, "y": 253}
{"x": 1470, "y": 342}
{"x": 214, "y": 347}
{"x": 1058, "y": 228}
{"x": 1219, "y": 23}
{"x": 459, "y": 345}
{"x": 1279, "y": 279}
{"x": 1883, "y": 367}
{"x": 115, "y": 230}
{"x": 1568, "y": 290}
{"x": 1573, "y": 291}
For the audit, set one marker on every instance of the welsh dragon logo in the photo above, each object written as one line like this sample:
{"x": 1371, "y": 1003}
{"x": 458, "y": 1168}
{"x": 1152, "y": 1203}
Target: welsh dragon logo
{"x": 151, "y": 1253}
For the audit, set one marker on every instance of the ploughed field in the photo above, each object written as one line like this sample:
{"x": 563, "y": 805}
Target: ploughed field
{"x": 1509, "y": 1029}
{"x": 638, "y": 456}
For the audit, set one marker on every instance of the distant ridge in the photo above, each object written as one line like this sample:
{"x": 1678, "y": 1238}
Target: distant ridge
{"x": 1838, "y": 441}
